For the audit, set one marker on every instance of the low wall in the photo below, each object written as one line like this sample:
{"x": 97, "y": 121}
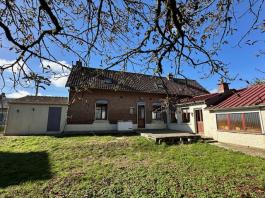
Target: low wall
{"x": 251, "y": 140}
{"x": 185, "y": 127}
{"x": 96, "y": 126}
{"x": 104, "y": 125}
{"x": 156, "y": 124}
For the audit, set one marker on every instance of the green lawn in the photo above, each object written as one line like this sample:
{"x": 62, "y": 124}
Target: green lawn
{"x": 106, "y": 166}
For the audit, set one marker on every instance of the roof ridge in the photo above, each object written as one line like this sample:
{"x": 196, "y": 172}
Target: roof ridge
{"x": 135, "y": 73}
{"x": 45, "y": 96}
{"x": 128, "y": 81}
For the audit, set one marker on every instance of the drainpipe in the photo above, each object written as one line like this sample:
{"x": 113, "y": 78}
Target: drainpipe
{"x": 168, "y": 117}
{"x": 261, "y": 122}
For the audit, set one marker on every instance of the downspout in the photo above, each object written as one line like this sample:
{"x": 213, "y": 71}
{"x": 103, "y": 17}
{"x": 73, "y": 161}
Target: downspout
{"x": 261, "y": 122}
{"x": 168, "y": 116}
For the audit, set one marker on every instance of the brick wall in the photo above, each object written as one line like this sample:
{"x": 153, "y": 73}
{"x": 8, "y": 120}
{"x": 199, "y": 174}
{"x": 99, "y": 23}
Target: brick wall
{"x": 82, "y": 105}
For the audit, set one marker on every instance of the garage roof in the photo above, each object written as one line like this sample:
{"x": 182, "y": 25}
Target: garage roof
{"x": 41, "y": 100}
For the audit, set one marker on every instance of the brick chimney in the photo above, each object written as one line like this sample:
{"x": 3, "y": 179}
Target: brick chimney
{"x": 3, "y": 96}
{"x": 78, "y": 63}
{"x": 170, "y": 76}
{"x": 223, "y": 86}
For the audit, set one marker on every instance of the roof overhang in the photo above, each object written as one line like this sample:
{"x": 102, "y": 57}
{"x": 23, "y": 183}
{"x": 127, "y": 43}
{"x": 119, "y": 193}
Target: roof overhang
{"x": 191, "y": 103}
{"x": 237, "y": 108}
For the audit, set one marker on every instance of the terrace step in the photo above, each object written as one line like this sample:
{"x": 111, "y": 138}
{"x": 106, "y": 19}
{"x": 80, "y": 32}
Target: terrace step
{"x": 208, "y": 140}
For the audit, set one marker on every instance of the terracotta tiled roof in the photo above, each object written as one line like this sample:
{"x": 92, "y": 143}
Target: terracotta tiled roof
{"x": 200, "y": 98}
{"x": 125, "y": 81}
{"x": 41, "y": 100}
{"x": 248, "y": 97}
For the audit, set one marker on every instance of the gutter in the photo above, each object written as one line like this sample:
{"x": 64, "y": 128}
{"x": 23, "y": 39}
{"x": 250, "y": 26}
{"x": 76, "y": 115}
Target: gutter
{"x": 237, "y": 108}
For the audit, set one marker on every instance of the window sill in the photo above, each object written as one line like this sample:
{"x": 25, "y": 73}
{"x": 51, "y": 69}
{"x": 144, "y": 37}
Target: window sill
{"x": 241, "y": 132}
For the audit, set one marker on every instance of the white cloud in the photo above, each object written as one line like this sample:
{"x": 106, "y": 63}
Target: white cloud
{"x": 59, "y": 81}
{"x": 18, "y": 94}
{"x": 55, "y": 67}
{"x": 16, "y": 68}
{"x": 214, "y": 90}
{"x": 61, "y": 73}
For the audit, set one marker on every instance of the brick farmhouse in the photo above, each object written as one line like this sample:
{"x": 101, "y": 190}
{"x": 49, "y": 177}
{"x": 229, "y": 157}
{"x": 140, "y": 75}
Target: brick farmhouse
{"x": 99, "y": 99}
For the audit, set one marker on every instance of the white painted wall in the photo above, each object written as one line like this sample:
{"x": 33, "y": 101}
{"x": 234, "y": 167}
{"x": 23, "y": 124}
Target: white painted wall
{"x": 252, "y": 140}
{"x": 210, "y": 127}
{"x": 187, "y": 127}
{"x": 23, "y": 120}
{"x": 104, "y": 125}
{"x": 98, "y": 125}
{"x": 156, "y": 124}
{"x": 244, "y": 139}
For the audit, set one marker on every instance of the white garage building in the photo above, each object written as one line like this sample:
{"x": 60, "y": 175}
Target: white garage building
{"x": 36, "y": 115}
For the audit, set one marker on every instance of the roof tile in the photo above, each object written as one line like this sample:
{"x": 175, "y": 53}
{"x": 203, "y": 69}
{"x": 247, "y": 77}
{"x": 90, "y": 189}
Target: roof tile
{"x": 41, "y": 100}
{"x": 125, "y": 81}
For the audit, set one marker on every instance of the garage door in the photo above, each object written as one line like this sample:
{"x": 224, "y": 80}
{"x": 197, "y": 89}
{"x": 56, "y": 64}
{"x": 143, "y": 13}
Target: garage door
{"x": 54, "y": 119}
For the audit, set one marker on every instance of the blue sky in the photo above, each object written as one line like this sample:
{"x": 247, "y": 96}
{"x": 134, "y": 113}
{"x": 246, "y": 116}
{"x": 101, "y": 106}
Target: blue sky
{"x": 242, "y": 61}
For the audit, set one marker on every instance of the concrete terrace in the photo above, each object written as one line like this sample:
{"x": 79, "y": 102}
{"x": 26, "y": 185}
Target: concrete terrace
{"x": 172, "y": 137}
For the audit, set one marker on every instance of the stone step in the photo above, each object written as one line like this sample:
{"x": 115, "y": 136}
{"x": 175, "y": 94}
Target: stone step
{"x": 208, "y": 140}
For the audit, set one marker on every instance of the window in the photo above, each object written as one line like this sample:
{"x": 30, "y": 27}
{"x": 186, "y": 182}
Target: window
{"x": 252, "y": 122}
{"x": 221, "y": 120}
{"x": 108, "y": 81}
{"x": 173, "y": 116}
{"x": 1, "y": 118}
{"x": 185, "y": 115}
{"x": 239, "y": 122}
{"x": 101, "y": 111}
{"x": 156, "y": 113}
{"x": 159, "y": 85}
{"x": 236, "y": 123}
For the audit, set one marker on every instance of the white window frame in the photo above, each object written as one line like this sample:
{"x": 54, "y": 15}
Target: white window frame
{"x": 103, "y": 102}
{"x": 181, "y": 109}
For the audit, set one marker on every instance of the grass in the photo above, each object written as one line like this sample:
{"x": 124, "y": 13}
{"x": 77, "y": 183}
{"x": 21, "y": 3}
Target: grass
{"x": 107, "y": 166}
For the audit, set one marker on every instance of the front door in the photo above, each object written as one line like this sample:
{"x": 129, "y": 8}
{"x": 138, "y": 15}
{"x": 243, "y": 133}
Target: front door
{"x": 54, "y": 119}
{"x": 199, "y": 121}
{"x": 141, "y": 116}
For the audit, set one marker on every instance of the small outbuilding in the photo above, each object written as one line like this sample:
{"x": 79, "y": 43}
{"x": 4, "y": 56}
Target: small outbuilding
{"x": 36, "y": 115}
{"x": 229, "y": 116}
{"x": 240, "y": 118}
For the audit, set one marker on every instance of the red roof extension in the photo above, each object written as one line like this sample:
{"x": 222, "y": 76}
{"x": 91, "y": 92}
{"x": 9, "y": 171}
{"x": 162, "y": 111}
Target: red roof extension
{"x": 250, "y": 96}
{"x": 200, "y": 98}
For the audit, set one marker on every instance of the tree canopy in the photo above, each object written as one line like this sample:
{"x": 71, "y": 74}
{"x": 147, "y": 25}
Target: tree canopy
{"x": 143, "y": 33}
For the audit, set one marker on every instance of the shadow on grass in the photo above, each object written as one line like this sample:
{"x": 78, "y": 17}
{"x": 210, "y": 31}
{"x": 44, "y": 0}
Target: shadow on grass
{"x": 16, "y": 168}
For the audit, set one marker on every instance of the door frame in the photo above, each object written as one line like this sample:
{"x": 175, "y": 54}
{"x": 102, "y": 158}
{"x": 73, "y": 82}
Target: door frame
{"x": 195, "y": 121}
{"x": 137, "y": 105}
